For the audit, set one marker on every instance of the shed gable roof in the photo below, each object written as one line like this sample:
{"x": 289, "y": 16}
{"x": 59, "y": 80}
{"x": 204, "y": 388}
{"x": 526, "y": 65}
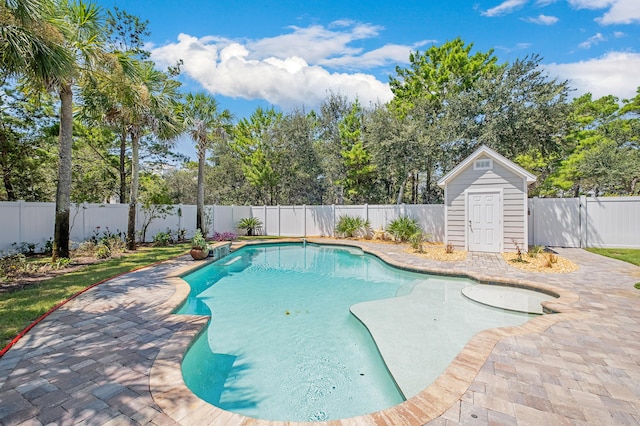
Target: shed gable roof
{"x": 510, "y": 165}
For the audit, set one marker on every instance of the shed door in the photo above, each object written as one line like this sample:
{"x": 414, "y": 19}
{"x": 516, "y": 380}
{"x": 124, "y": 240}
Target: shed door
{"x": 484, "y": 232}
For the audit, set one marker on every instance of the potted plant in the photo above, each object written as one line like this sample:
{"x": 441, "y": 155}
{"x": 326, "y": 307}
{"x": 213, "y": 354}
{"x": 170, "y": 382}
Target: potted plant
{"x": 199, "y": 246}
{"x": 250, "y": 224}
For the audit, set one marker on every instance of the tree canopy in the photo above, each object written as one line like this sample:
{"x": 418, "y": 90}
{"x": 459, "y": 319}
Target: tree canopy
{"x": 115, "y": 116}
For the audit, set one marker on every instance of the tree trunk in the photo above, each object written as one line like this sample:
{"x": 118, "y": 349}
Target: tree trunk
{"x": 200, "y": 220}
{"x": 402, "y": 185}
{"x": 63, "y": 191}
{"x": 8, "y": 186}
{"x": 6, "y": 168}
{"x": 122, "y": 166}
{"x": 133, "y": 200}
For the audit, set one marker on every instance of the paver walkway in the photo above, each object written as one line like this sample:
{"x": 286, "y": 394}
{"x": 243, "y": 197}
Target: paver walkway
{"x": 90, "y": 362}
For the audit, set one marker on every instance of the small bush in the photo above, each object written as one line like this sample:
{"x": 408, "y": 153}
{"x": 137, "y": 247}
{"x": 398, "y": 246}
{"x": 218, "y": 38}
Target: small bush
{"x": 534, "y": 251}
{"x": 352, "y": 226}
{"x": 12, "y": 265}
{"x": 86, "y": 248}
{"x": 448, "y": 248}
{"x": 416, "y": 241}
{"x": 250, "y": 224}
{"x": 403, "y": 228}
{"x": 162, "y": 239}
{"x": 103, "y": 251}
{"x": 60, "y": 263}
{"x": 48, "y": 247}
{"x": 551, "y": 260}
{"x": 27, "y": 249}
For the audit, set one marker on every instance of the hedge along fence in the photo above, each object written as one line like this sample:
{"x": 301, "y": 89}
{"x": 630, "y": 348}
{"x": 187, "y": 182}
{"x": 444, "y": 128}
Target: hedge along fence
{"x": 26, "y": 222}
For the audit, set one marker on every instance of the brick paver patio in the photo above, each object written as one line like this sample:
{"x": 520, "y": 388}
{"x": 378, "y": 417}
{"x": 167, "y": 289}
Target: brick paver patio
{"x": 111, "y": 356}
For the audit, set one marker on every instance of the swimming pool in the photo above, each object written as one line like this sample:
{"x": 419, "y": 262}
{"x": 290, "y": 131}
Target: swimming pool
{"x": 282, "y": 344}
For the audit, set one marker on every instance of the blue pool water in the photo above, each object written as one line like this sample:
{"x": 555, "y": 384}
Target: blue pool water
{"x": 282, "y": 343}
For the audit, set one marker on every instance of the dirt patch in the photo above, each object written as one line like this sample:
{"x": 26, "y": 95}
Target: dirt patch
{"x": 545, "y": 262}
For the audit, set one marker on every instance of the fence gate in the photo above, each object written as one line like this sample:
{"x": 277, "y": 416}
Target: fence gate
{"x": 555, "y": 222}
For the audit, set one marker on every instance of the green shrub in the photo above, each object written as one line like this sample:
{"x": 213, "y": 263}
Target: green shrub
{"x": 12, "y": 265}
{"x": 250, "y": 224}
{"x": 352, "y": 226}
{"x": 60, "y": 263}
{"x": 534, "y": 251}
{"x": 161, "y": 239}
{"x": 416, "y": 241}
{"x": 103, "y": 251}
{"x": 403, "y": 228}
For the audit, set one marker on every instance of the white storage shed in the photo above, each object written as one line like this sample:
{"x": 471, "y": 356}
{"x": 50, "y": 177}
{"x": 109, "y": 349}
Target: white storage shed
{"x": 485, "y": 202}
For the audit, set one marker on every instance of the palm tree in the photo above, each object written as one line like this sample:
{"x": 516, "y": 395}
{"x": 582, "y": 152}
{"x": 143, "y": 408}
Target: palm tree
{"x": 30, "y": 44}
{"x": 135, "y": 99}
{"x": 155, "y": 111}
{"x": 202, "y": 120}
{"x": 81, "y": 26}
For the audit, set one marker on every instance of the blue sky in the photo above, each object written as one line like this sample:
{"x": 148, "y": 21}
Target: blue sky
{"x": 291, "y": 53}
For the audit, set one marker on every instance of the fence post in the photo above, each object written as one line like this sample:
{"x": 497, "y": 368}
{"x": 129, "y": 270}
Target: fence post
{"x": 233, "y": 221}
{"x": 533, "y": 220}
{"x": 279, "y": 224}
{"x": 333, "y": 227}
{"x": 366, "y": 212}
{"x": 84, "y": 221}
{"x": 265, "y": 221}
{"x": 304, "y": 219}
{"x": 20, "y": 205}
{"x": 584, "y": 221}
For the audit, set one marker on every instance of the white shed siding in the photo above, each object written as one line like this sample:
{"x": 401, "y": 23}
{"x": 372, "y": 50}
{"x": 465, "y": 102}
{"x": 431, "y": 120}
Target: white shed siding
{"x": 513, "y": 201}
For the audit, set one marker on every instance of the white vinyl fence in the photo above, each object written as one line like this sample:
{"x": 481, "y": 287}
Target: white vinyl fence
{"x": 22, "y": 222}
{"x": 558, "y": 222}
{"x": 606, "y": 222}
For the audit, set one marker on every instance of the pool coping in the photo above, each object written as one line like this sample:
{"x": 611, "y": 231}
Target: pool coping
{"x": 178, "y": 402}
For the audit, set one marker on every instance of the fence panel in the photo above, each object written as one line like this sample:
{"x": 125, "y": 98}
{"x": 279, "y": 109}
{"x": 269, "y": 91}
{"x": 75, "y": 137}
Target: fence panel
{"x": 430, "y": 217}
{"x": 88, "y": 220}
{"x": 381, "y": 215}
{"x": 613, "y": 222}
{"x": 320, "y": 221}
{"x": 292, "y": 221}
{"x": 271, "y": 224}
{"x": 10, "y": 227}
{"x": 555, "y": 222}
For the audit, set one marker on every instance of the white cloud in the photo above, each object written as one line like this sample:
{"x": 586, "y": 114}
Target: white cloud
{"x": 505, "y": 7}
{"x": 591, "y": 4}
{"x": 622, "y": 12}
{"x": 591, "y": 41}
{"x": 388, "y": 54}
{"x": 315, "y": 42}
{"x": 619, "y": 34}
{"x": 289, "y": 70}
{"x": 612, "y": 74}
{"x": 543, "y": 20}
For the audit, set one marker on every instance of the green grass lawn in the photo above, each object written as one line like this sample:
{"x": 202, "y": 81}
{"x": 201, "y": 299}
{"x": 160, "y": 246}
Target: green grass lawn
{"x": 19, "y": 308}
{"x": 627, "y": 255}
